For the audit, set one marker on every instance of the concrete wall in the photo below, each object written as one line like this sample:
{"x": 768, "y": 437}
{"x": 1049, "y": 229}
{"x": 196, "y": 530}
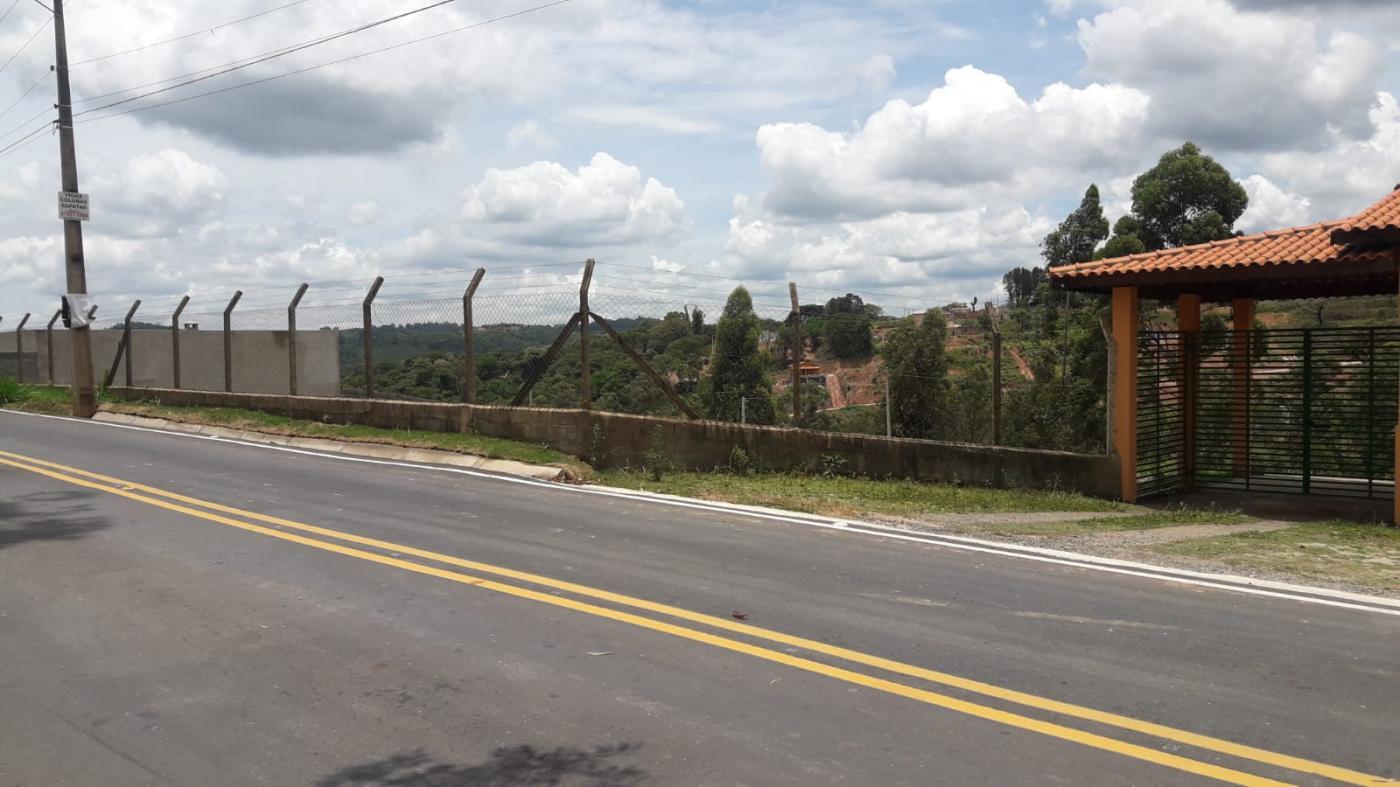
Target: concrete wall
{"x": 10, "y": 365}
{"x": 618, "y": 440}
{"x": 259, "y": 359}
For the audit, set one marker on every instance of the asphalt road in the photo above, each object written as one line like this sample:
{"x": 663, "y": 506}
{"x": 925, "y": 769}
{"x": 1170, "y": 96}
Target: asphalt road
{"x": 184, "y": 611}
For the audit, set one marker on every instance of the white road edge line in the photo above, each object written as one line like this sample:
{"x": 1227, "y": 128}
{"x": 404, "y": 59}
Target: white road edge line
{"x": 1234, "y": 583}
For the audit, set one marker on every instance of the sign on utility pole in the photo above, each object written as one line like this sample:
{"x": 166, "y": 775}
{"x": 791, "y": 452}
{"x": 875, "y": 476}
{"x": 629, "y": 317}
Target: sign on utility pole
{"x": 73, "y": 209}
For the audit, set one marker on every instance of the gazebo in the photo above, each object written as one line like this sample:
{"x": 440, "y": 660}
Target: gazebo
{"x": 1310, "y": 411}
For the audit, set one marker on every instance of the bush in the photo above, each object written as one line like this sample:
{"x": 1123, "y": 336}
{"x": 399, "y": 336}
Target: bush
{"x": 658, "y": 463}
{"x": 832, "y": 466}
{"x": 10, "y": 391}
{"x": 740, "y": 463}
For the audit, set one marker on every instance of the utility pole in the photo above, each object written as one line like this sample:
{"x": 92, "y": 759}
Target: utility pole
{"x": 84, "y": 393}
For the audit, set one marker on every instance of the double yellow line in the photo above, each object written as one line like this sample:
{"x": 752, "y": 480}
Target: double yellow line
{"x": 295, "y": 532}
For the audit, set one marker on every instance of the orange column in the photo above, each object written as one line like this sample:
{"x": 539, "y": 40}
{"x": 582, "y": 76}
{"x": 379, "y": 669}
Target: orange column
{"x": 1243, "y": 317}
{"x": 1188, "y": 313}
{"x": 1188, "y": 321}
{"x": 1125, "y": 334}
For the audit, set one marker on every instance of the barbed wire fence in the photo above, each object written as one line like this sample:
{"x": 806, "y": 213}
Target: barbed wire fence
{"x": 515, "y": 335}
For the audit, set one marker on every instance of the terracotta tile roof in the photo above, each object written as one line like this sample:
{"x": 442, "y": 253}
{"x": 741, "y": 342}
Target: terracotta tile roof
{"x": 1384, "y": 215}
{"x": 1313, "y": 244}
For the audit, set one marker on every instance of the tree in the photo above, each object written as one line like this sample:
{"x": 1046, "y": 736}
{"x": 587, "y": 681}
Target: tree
{"x": 697, "y": 321}
{"x": 917, "y": 365}
{"x": 1125, "y": 240}
{"x": 1021, "y": 284}
{"x": 737, "y": 368}
{"x": 1078, "y": 235}
{"x": 847, "y": 335}
{"x": 850, "y": 303}
{"x": 659, "y": 336}
{"x": 1186, "y": 198}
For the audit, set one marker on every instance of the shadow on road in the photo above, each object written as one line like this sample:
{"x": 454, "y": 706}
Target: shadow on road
{"x": 47, "y": 516}
{"x": 508, "y": 765}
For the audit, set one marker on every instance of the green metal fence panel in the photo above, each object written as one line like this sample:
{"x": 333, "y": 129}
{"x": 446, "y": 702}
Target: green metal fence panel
{"x": 1307, "y": 411}
{"x": 1162, "y": 443}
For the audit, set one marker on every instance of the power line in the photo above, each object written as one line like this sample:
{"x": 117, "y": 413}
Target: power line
{"x": 482, "y": 23}
{"x": 272, "y": 55}
{"x": 230, "y": 65}
{"x": 26, "y": 44}
{"x": 186, "y": 36}
{"x": 24, "y": 140}
{"x": 24, "y": 124}
{"x": 6, "y": 15}
{"x": 25, "y": 94}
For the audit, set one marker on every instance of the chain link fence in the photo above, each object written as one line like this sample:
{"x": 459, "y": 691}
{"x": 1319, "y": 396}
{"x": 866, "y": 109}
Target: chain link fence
{"x": 838, "y": 361}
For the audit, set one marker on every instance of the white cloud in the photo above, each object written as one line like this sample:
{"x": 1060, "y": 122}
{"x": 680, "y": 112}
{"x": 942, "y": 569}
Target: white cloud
{"x": 530, "y": 136}
{"x": 1234, "y": 79}
{"x": 1270, "y": 207}
{"x": 952, "y": 254}
{"x": 158, "y": 195}
{"x": 1349, "y": 174}
{"x": 975, "y": 131}
{"x": 639, "y": 117}
{"x": 363, "y": 214}
{"x": 937, "y": 193}
{"x": 604, "y": 203}
{"x": 877, "y": 71}
{"x": 30, "y": 264}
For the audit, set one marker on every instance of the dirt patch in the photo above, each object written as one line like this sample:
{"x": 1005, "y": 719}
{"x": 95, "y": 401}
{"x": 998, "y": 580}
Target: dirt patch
{"x": 1167, "y": 535}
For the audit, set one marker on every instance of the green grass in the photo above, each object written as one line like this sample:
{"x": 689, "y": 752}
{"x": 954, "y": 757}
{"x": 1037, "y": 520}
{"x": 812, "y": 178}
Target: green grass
{"x": 840, "y": 496}
{"x": 1364, "y": 555}
{"x": 34, "y": 398}
{"x": 252, "y": 420}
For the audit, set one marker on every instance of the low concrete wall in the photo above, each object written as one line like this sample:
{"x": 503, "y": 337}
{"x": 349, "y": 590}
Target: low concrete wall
{"x": 10, "y": 365}
{"x": 619, "y": 440}
{"x": 259, "y": 359}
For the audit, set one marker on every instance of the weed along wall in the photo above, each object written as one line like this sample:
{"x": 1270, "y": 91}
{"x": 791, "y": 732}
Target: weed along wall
{"x": 620, "y": 440}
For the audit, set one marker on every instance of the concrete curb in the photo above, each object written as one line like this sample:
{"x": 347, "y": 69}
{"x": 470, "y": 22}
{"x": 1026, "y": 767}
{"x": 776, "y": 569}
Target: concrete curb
{"x": 394, "y": 453}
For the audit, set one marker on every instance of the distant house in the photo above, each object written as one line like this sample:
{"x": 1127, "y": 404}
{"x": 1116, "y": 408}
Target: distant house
{"x": 959, "y": 312}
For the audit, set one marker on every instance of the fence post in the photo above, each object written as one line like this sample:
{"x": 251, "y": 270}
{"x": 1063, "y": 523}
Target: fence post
{"x": 996, "y": 386}
{"x": 469, "y": 339}
{"x": 1307, "y": 410}
{"x": 175, "y": 342}
{"x": 889, "y": 418}
{"x": 743, "y": 409}
{"x": 368, "y": 335}
{"x": 585, "y": 382}
{"x": 228, "y": 340}
{"x": 292, "y": 339}
{"x": 126, "y": 337}
{"x": 796, "y": 356}
{"x": 19, "y": 348}
{"x": 48, "y": 341}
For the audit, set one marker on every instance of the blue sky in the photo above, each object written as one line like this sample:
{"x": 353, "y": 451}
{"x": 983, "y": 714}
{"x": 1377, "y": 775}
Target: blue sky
{"x": 914, "y": 147}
